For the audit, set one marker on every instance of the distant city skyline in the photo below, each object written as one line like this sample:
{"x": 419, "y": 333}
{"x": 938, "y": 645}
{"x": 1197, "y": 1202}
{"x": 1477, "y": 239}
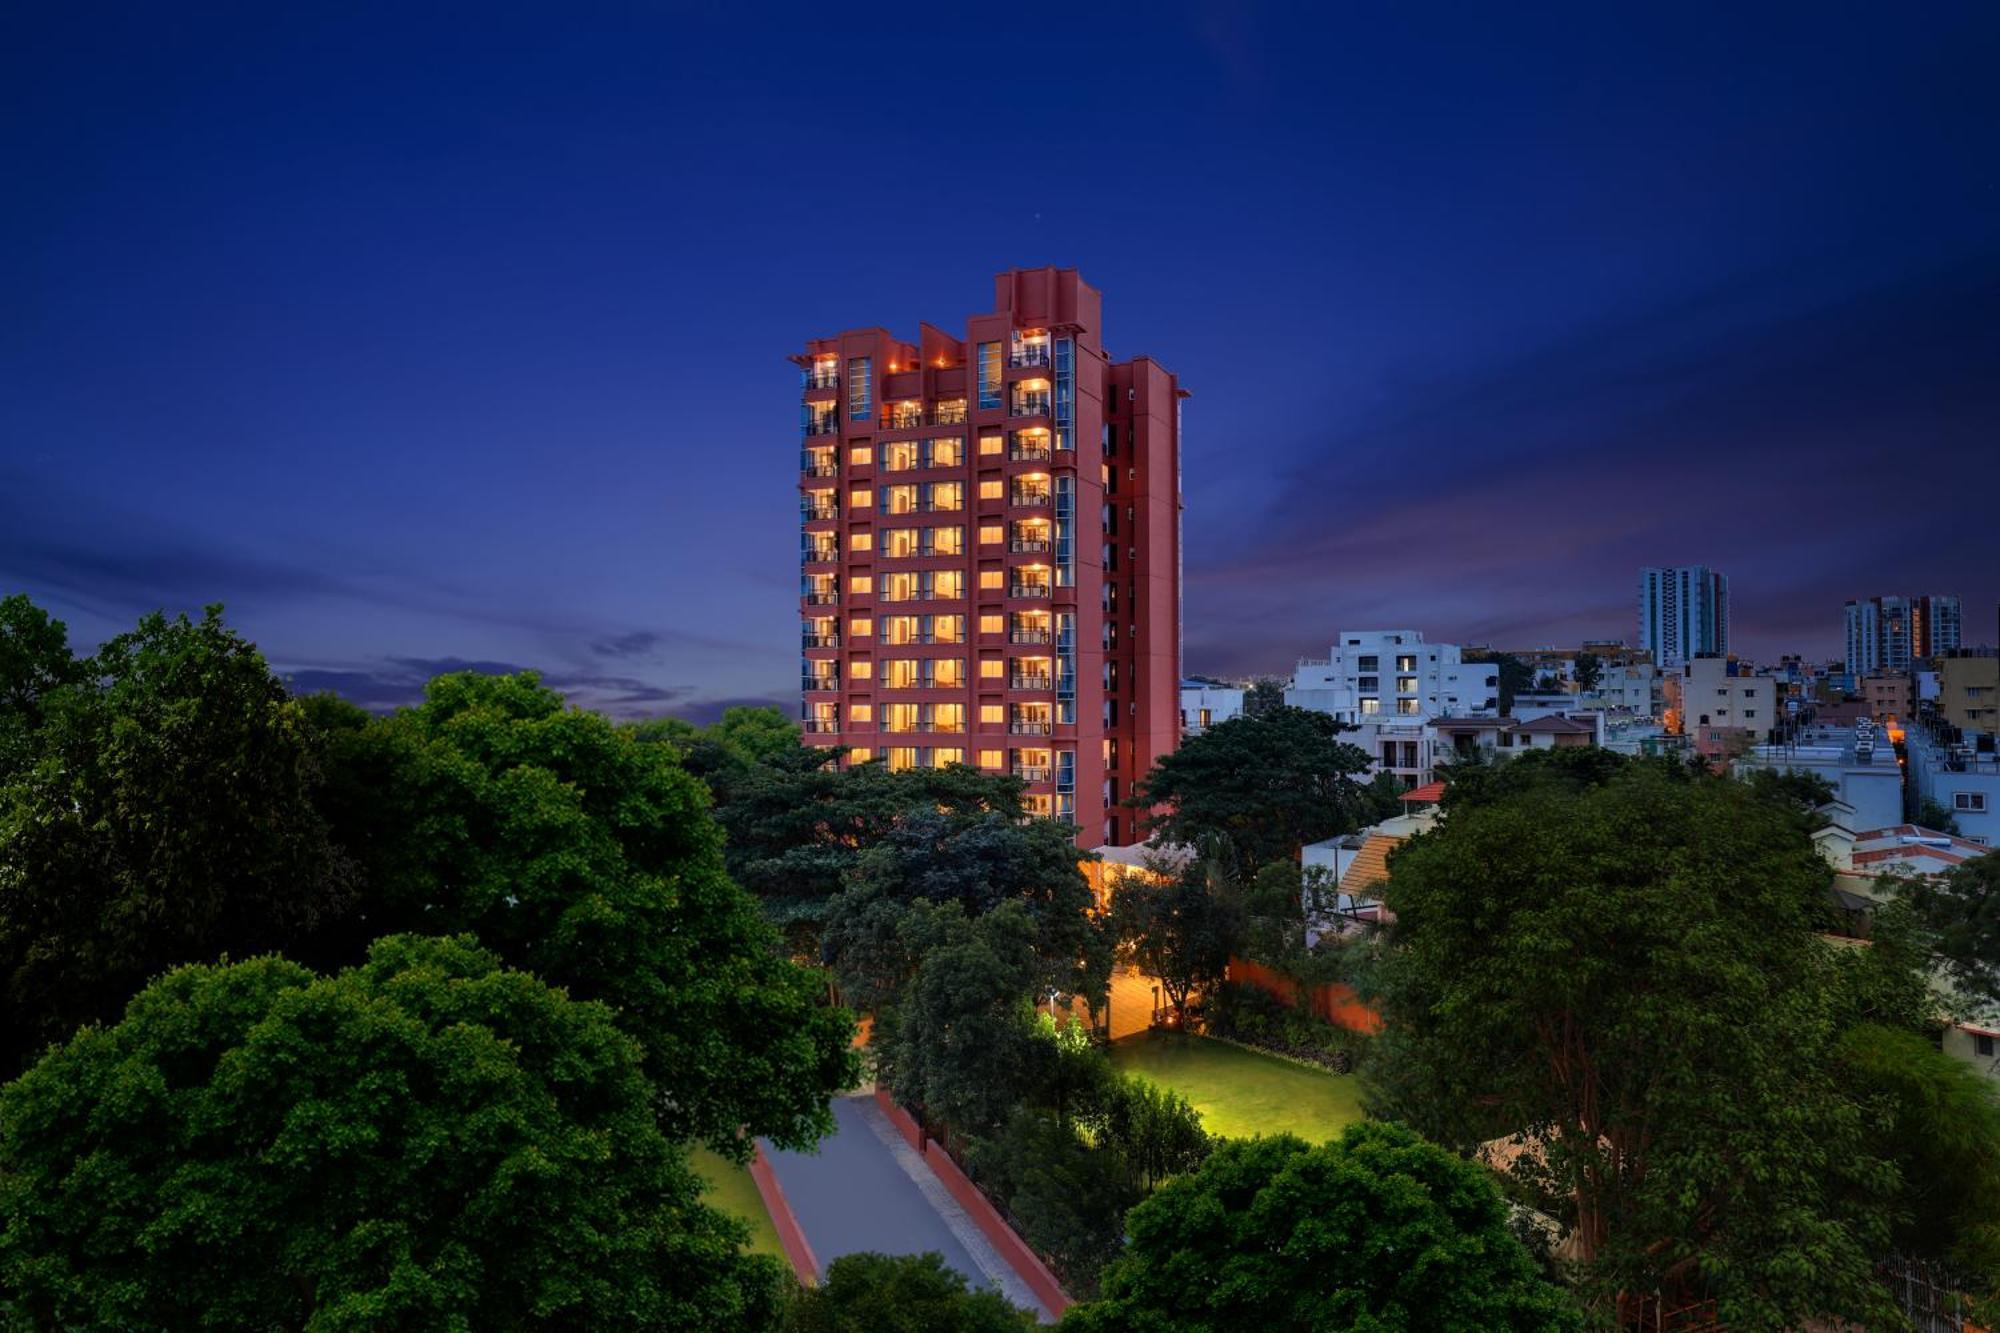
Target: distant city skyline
{"x": 425, "y": 345}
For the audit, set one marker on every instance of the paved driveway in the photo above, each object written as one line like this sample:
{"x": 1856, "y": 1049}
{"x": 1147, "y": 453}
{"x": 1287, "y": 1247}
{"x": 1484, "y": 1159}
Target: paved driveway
{"x": 866, "y": 1189}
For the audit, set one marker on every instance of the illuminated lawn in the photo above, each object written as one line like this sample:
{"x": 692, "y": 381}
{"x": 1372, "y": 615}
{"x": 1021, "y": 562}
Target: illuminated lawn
{"x": 1240, "y": 1093}
{"x": 730, "y": 1190}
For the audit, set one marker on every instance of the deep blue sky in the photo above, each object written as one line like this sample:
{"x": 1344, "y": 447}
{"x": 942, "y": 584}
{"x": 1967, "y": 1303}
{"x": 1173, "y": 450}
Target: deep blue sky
{"x": 422, "y": 336}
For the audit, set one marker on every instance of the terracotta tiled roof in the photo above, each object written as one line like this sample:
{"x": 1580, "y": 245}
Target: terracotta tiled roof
{"x": 1550, "y": 722}
{"x": 1424, "y": 795}
{"x": 1370, "y": 865}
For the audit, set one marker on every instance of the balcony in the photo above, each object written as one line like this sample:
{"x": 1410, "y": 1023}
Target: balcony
{"x": 1029, "y": 453}
{"x": 1027, "y": 590}
{"x": 821, "y": 425}
{"x": 811, "y": 640}
{"x": 820, "y": 726}
{"x": 1029, "y": 635}
{"x": 1028, "y": 545}
{"x": 814, "y": 513}
{"x": 818, "y": 555}
{"x": 1028, "y": 499}
{"x": 915, "y": 416}
{"x": 1031, "y": 682}
{"x": 1020, "y": 727}
{"x": 822, "y": 598}
{"x": 1029, "y": 405}
{"x": 903, "y": 416}
{"x": 811, "y": 466}
{"x": 822, "y": 375}
{"x": 1029, "y": 354}
{"x": 820, "y": 683}
{"x": 1030, "y": 774}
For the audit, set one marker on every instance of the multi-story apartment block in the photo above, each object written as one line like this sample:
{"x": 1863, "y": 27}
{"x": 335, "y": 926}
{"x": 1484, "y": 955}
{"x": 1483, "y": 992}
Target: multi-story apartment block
{"x": 1394, "y": 672}
{"x": 1683, "y": 613}
{"x": 990, "y": 551}
{"x": 1896, "y": 633}
{"x": 1721, "y": 705}
{"x": 1968, "y": 693}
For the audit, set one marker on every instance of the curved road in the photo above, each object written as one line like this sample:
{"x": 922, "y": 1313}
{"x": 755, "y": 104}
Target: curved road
{"x": 865, "y": 1188}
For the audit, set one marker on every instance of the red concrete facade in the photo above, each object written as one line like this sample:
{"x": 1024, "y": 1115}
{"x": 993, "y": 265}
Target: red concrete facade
{"x": 990, "y": 550}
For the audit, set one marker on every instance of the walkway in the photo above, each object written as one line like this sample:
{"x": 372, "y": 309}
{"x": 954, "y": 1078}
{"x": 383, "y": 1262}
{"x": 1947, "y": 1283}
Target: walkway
{"x": 866, "y": 1189}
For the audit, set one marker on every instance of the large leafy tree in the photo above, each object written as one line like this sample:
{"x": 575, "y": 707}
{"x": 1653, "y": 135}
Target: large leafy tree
{"x": 1178, "y": 925}
{"x": 1961, "y": 910}
{"x": 1516, "y": 676}
{"x": 1622, "y": 972}
{"x": 1259, "y": 787}
{"x": 978, "y": 861}
{"x": 586, "y": 855}
{"x": 427, "y": 1141}
{"x": 905, "y": 1293}
{"x": 35, "y": 659}
{"x": 164, "y": 813}
{"x": 1376, "y": 1230}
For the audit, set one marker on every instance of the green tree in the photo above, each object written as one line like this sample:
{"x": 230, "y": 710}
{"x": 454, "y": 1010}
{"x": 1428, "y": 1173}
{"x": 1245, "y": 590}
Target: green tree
{"x": 1623, "y": 972}
{"x": 1932, "y": 814}
{"x": 1961, "y": 911}
{"x": 977, "y": 860}
{"x": 905, "y": 1293}
{"x": 166, "y": 814}
{"x": 576, "y": 851}
{"x": 1067, "y": 1199}
{"x": 1589, "y": 670}
{"x": 35, "y": 660}
{"x": 1516, "y": 677}
{"x": 426, "y": 1141}
{"x": 1265, "y": 694}
{"x": 1176, "y": 927}
{"x": 1377, "y": 1230}
{"x": 1261, "y": 785}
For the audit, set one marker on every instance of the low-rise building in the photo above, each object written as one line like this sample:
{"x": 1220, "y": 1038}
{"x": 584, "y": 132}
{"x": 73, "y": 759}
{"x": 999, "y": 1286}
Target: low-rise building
{"x": 1961, "y": 776}
{"x": 1721, "y": 705}
{"x": 1890, "y": 696}
{"x": 1374, "y": 673}
{"x": 1968, "y": 694}
{"x": 1207, "y": 703}
{"x": 1857, "y": 762}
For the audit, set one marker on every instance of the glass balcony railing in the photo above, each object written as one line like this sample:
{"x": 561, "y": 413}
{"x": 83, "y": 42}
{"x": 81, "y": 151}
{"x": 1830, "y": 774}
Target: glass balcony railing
{"x": 1031, "y": 682}
{"x": 822, "y": 375}
{"x": 813, "y": 513}
{"x": 1030, "y": 773}
{"x": 1027, "y": 590}
{"x": 1028, "y": 499}
{"x": 1028, "y": 545}
{"x": 1029, "y": 405}
{"x": 1027, "y": 636}
{"x": 820, "y": 683}
{"x": 821, "y": 726}
{"x": 814, "y": 466}
{"x": 910, "y": 416}
{"x": 822, "y": 425}
{"x": 822, "y": 599}
{"x": 811, "y": 640}
{"x": 818, "y": 555}
{"x": 1029, "y": 453}
{"x": 1029, "y": 727}
{"x": 1029, "y": 354}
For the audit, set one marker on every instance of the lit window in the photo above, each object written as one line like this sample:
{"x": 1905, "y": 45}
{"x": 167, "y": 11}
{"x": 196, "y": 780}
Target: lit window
{"x": 992, "y": 624}
{"x": 861, "y": 455}
{"x": 992, "y": 578}
{"x": 861, "y": 583}
{"x": 1371, "y": 705}
{"x": 858, "y": 498}
{"x": 992, "y": 444}
{"x": 947, "y": 452}
{"x": 899, "y": 542}
{"x": 861, "y": 669}
{"x": 899, "y": 587}
{"x": 861, "y": 712}
{"x": 900, "y": 455}
{"x": 948, "y": 541}
{"x": 861, "y": 627}
{"x": 945, "y": 756}
{"x": 947, "y": 495}
{"x": 948, "y": 718}
{"x": 948, "y": 629}
{"x": 860, "y": 754}
{"x": 990, "y": 536}
{"x": 948, "y": 585}
{"x": 901, "y": 758}
{"x": 992, "y": 713}
{"x": 899, "y": 499}
{"x": 860, "y": 541}
{"x": 992, "y": 490}
{"x": 992, "y": 668}
{"x": 992, "y": 758}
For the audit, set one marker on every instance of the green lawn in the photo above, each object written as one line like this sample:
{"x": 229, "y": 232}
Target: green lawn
{"x": 1241, "y": 1093}
{"x": 730, "y": 1190}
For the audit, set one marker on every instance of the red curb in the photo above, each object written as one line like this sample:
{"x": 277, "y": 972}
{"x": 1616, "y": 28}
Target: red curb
{"x": 790, "y": 1237}
{"x": 1024, "y": 1261}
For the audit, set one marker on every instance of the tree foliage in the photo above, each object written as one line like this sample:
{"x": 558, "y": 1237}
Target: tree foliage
{"x": 164, "y": 812}
{"x": 1374, "y": 1231}
{"x": 1588, "y": 671}
{"x": 1175, "y": 925}
{"x": 905, "y": 1293}
{"x": 1616, "y": 962}
{"x": 427, "y": 1141}
{"x": 573, "y": 849}
{"x": 1961, "y": 911}
{"x": 1262, "y": 786}
{"x": 35, "y": 660}
{"x": 1516, "y": 676}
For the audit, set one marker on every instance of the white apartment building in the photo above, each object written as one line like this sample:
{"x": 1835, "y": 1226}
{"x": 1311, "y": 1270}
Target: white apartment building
{"x": 1859, "y": 762}
{"x": 1720, "y": 706}
{"x": 1394, "y": 673}
{"x": 1205, "y": 704}
{"x": 1683, "y": 612}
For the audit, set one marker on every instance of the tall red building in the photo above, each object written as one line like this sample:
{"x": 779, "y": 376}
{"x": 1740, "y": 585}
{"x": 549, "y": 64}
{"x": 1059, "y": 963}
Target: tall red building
{"x": 990, "y": 550}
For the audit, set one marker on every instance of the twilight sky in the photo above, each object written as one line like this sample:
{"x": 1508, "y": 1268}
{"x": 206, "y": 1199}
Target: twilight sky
{"x": 428, "y": 336}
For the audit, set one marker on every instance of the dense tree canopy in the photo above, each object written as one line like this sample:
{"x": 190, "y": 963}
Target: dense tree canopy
{"x": 164, "y": 812}
{"x": 1174, "y": 924}
{"x": 1617, "y": 963}
{"x": 1260, "y": 786}
{"x": 1961, "y": 910}
{"x": 34, "y": 661}
{"x": 584, "y": 854}
{"x": 427, "y": 1141}
{"x": 907, "y": 1293}
{"x": 1375, "y": 1231}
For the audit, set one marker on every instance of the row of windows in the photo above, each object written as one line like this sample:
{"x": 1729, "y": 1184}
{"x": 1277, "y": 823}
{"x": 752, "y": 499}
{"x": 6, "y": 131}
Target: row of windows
{"x": 948, "y": 673}
{"x": 1027, "y": 534}
{"x": 946, "y": 719}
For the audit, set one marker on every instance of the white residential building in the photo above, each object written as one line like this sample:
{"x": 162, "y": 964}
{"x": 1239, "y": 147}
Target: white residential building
{"x": 1963, "y": 779}
{"x": 1858, "y": 762}
{"x": 1372, "y": 673}
{"x": 1205, "y": 704}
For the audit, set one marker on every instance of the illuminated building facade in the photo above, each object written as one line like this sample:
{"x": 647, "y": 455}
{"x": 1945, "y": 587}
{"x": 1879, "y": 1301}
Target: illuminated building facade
{"x": 990, "y": 551}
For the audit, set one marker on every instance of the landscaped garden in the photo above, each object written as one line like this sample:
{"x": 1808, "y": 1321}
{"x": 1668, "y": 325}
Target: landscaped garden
{"x": 1242, "y": 1093}
{"x": 730, "y": 1190}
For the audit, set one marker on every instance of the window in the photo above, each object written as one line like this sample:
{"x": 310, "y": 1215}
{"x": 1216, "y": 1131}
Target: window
{"x": 992, "y": 490}
{"x": 946, "y": 452}
{"x": 861, "y": 583}
{"x": 861, "y": 627}
{"x": 899, "y": 499}
{"x": 860, "y": 389}
{"x": 858, "y": 498}
{"x": 1406, "y": 705}
{"x": 1371, "y": 705}
{"x": 948, "y": 673}
{"x": 947, "y": 629}
{"x": 990, "y": 535}
{"x": 861, "y": 669}
{"x": 991, "y": 759}
{"x": 947, "y": 585}
{"x": 1406, "y": 684}
{"x": 1367, "y": 664}
{"x": 899, "y": 542}
{"x": 1406, "y": 662}
{"x": 901, "y": 455}
{"x": 947, "y": 755}
{"x": 992, "y": 668}
{"x": 992, "y": 624}
{"x": 860, "y": 541}
{"x": 988, "y": 357}
{"x": 861, "y": 455}
{"x": 899, "y": 717}
{"x": 990, "y": 445}
{"x": 948, "y": 717}
{"x": 1982, "y": 1044}
{"x": 901, "y": 673}
{"x": 901, "y": 758}
{"x": 861, "y": 712}
{"x": 992, "y": 578}
{"x": 1973, "y": 802}
{"x": 1368, "y": 683}
{"x": 946, "y": 496}
{"x": 992, "y": 713}
{"x": 948, "y": 541}
{"x": 899, "y": 587}
{"x": 860, "y": 754}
